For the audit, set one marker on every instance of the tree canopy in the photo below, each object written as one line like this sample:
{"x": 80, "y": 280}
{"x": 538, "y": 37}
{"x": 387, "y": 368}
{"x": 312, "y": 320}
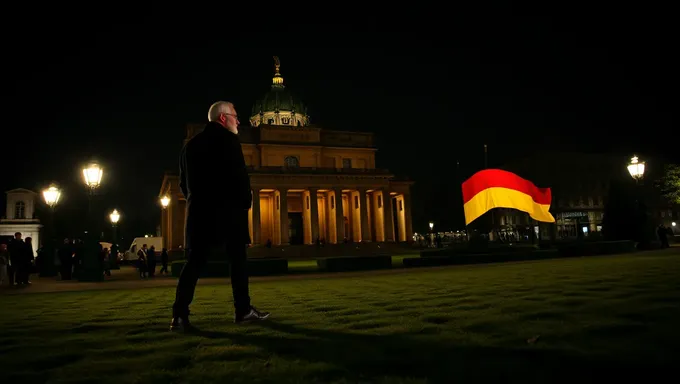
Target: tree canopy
{"x": 670, "y": 183}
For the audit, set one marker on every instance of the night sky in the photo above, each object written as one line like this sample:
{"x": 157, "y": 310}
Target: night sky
{"x": 432, "y": 95}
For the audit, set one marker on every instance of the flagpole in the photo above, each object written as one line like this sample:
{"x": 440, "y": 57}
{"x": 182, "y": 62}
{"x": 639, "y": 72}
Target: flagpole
{"x": 460, "y": 180}
{"x": 486, "y": 166}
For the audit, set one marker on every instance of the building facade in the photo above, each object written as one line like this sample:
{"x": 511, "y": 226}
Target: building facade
{"x": 20, "y": 216}
{"x": 309, "y": 184}
{"x": 580, "y": 186}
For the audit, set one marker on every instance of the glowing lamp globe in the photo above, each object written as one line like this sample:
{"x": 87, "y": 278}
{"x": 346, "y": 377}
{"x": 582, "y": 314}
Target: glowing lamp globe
{"x": 92, "y": 174}
{"x": 431, "y": 225}
{"x": 114, "y": 216}
{"x": 51, "y": 195}
{"x": 165, "y": 201}
{"x": 636, "y": 168}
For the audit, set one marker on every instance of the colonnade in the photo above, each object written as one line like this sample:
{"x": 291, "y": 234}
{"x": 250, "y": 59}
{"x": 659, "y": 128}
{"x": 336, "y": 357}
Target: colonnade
{"x": 303, "y": 216}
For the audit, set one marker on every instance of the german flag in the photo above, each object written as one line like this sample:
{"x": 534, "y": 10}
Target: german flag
{"x": 495, "y": 188}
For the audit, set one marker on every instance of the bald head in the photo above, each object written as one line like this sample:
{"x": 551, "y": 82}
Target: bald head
{"x": 223, "y": 113}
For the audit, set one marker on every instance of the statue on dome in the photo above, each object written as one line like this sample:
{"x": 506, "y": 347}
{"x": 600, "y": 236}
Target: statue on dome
{"x": 277, "y": 64}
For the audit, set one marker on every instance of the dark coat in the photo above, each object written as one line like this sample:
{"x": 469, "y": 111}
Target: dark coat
{"x": 214, "y": 180}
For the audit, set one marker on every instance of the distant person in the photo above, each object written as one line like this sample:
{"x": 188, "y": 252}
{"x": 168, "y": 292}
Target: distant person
{"x": 65, "y": 254}
{"x": 141, "y": 262}
{"x": 216, "y": 218}
{"x": 663, "y": 236}
{"x": 164, "y": 261}
{"x": 151, "y": 261}
{"x": 4, "y": 264}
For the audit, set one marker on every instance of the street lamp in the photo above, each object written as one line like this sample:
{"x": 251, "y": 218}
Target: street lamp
{"x": 431, "y": 225}
{"x": 113, "y": 258}
{"x": 51, "y": 197}
{"x": 114, "y": 217}
{"x": 165, "y": 201}
{"x": 636, "y": 168}
{"x": 92, "y": 268}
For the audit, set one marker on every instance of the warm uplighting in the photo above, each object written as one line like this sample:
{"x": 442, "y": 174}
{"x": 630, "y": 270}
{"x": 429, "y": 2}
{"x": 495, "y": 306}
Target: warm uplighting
{"x": 114, "y": 216}
{"x": 51, "y": 195}
{"x": 165, "y": 201}
{"x": 636, "y": 168}
{"x": 93, "y": 175}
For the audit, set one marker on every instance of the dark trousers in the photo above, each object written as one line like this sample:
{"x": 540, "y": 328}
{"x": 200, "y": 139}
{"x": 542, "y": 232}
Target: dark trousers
{"x": 164, "y": 269}
{"x": 11, "y": 273}
{"x": 197, "y": 259}
{"x": 66, "y": 269}
{"x": 22, "y": 272}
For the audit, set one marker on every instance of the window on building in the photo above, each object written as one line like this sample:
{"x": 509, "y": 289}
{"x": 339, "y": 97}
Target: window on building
{"x": 20, "y": 210}
{"x": 379, "y": 201}
{"x": 291, "y": 162}
{"x": 270, "y": 121}
{"x": 285, "y": 120}
{"x": 346, "y": 163}
{"x": 356, "y": 202}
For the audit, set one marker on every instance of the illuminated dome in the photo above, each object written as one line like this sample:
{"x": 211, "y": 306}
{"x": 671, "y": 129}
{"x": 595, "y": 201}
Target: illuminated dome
{"x": 279, "y": 106}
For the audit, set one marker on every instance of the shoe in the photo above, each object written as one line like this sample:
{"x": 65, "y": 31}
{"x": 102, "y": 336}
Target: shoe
{"x": 252, "y": 315}
{"x": 182, "y": 324}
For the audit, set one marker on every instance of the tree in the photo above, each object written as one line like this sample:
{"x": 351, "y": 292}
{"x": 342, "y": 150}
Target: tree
{"x": 669, "y": 184}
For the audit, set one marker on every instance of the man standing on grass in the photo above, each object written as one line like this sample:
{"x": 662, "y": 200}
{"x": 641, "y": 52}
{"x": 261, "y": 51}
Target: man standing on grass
{"x": 216, "y": 215}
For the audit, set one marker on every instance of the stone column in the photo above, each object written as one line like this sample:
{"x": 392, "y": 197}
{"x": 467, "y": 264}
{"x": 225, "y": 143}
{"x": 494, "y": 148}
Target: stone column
{"x": 283, "y": 219}
{"x": 363, "y": 213}
{"x": 408, "y": 223}
{"x": 387, "y": 215}
{"x": 339, "y": 216}
{"x": 257, "y": 227}
{"x": 314, "y": 213}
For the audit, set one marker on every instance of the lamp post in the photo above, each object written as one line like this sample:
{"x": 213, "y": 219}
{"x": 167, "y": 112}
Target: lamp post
{"x": 165, "y": 201}
{"x": 113, "y": 259}
{"x": 51, "y": 197}
{"x": 636, "y": 168}
{"x": 92, "y": 268}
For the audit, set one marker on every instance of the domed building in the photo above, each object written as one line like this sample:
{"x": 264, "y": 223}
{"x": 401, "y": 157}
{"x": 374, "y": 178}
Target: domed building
{"x": 309, "y": 184}
{"x": 279, "y": 106}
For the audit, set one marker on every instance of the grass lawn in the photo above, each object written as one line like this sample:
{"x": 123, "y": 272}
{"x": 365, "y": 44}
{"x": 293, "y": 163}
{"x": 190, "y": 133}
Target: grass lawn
{"x": 565, "y": 320}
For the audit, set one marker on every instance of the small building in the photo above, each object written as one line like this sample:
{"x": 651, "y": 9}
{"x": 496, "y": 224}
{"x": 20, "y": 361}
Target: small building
{"x": 20, "y": 216}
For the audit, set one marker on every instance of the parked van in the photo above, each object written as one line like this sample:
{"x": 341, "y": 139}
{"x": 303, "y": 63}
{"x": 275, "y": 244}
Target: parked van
{"x": 138, "y": 242}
